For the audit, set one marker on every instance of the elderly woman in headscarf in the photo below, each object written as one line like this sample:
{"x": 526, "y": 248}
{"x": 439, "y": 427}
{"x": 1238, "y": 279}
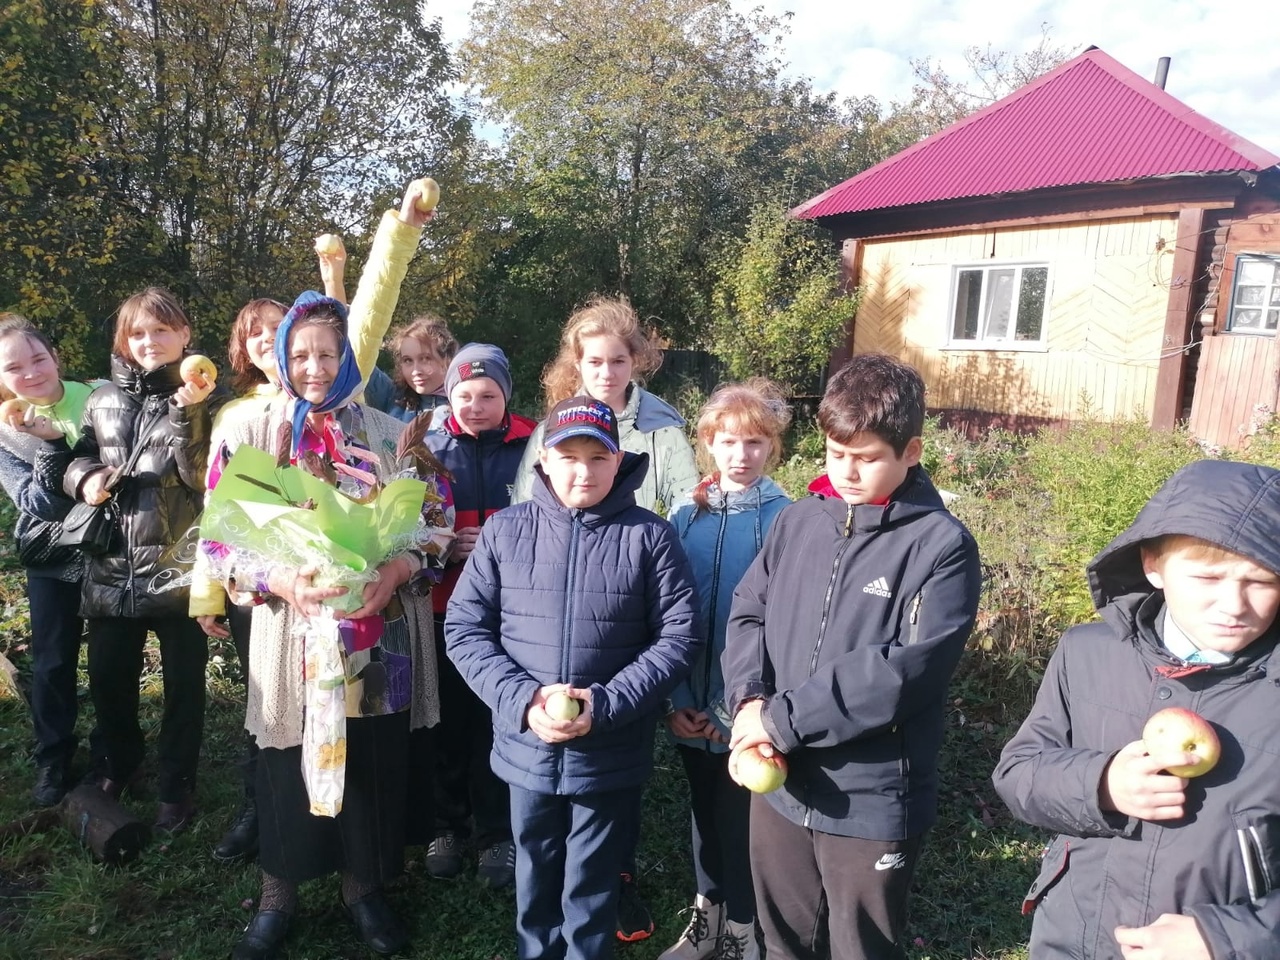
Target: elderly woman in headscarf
{"x": 388, "y": 654}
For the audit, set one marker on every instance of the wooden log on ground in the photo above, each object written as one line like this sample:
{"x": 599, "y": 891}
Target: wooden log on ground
{"x": 112, "y": 833}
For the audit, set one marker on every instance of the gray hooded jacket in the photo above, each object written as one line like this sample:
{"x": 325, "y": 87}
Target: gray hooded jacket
{"x": 1217, "y": 864}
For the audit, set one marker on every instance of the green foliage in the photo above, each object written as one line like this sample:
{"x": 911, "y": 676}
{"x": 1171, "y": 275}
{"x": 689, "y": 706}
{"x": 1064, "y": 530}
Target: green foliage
{"x": 778, "y": 308}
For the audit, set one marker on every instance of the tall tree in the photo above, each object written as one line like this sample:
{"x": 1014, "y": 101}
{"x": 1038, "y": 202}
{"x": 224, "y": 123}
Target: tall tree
{"x": 256, "y": 123}
{"x": 630, "y": 138}
{"x": 62, "y": 229}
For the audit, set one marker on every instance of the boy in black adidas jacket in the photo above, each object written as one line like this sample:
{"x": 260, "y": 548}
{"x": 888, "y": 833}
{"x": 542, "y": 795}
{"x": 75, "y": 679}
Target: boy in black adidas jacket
{"x": 842, "y": 639}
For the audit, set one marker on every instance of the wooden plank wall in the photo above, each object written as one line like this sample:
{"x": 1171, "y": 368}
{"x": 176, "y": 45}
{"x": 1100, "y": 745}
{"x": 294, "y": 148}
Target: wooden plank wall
{"x": 1108, "y": 293}
{"x": 1239, "y": 372}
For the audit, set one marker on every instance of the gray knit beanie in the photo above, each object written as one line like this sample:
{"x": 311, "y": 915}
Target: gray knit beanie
{"x": 479, "y": 360}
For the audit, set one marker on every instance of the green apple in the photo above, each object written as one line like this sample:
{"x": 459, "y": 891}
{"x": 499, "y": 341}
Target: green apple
{"x": 761, "y": 774}
{"x": 561, "y": 706}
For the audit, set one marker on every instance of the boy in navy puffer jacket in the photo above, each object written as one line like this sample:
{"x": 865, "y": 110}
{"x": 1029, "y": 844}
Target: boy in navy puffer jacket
{"x": 578, "y": 593}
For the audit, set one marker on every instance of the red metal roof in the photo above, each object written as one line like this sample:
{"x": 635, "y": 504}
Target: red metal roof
{"x": 1092, "y": 120}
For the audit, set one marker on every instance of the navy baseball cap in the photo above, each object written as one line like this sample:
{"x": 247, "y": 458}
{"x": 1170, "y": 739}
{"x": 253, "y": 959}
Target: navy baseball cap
{"x": 582, "y": 417}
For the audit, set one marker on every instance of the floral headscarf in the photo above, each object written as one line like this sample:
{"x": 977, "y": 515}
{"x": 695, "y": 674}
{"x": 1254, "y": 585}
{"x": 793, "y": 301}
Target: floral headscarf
{"x": 345, "y": 386}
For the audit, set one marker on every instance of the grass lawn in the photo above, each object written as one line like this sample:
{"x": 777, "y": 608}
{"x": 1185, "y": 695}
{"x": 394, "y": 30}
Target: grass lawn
{"x": 176, "y": 902}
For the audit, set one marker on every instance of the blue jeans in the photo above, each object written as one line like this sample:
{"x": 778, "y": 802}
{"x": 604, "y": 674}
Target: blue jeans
{"x": 569, "y": 851}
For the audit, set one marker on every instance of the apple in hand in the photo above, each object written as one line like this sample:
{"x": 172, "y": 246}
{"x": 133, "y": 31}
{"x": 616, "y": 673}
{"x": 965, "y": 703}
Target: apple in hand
{"x": 198, "y": 370}
{"x": 327, "y": 244}
{"x": 1178, "y": 730}
{"x": 14, "y": 412}
{"x": 428, "y": 195}
{"x": 561, "y": 706}
{"x": 761, "y": 774}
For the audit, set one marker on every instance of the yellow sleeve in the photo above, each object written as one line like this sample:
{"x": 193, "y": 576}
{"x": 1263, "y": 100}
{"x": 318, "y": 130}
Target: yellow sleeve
{"x": 369, "y": 316}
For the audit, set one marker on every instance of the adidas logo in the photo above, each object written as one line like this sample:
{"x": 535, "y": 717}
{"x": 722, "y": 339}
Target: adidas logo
{"x": 879, "y": 587}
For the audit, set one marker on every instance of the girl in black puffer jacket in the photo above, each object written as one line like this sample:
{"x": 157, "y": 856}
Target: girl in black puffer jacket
{"x": 146, "y": 403}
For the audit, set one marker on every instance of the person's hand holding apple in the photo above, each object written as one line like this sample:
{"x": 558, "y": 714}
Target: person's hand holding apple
{"x": 1135, "y": 783}
{"x": 1172, "y": 936}
{"x": 413, "y": 206}
{"x": 546, "y": 727}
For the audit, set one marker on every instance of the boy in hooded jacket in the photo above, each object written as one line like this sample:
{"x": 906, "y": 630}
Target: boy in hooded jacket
{"x": 578, "y": 594}
{"x": 842, "y": 639}
{"x": 1146, "y": 863}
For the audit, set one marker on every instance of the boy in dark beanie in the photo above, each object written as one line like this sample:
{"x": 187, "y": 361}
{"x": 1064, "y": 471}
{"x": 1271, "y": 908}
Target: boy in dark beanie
{"x": 481, "y": 444}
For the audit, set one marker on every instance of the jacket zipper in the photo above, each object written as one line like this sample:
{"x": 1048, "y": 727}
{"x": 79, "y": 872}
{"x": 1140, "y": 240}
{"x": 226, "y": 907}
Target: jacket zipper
{"x": 826, "y": 610}
{"x": 711, "y": 620}
{"x": 831, "y": 586}
{"x": 914, "y": 619}
{"x": 141, "y": 435}
{"x": 575, "y": 528}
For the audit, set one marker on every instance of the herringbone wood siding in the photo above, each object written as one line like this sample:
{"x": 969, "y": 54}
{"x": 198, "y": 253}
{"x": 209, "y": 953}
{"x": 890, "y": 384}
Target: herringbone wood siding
{"x": 1108, "y": 293}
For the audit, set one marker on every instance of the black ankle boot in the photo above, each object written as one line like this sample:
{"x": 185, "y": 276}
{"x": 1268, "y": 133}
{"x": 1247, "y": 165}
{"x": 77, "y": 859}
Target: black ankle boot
{"x": 378, "y": 925}
{"x": 240, "y": 842}
{"x": 51, "y": 784}
{"x": 263, "y": 937}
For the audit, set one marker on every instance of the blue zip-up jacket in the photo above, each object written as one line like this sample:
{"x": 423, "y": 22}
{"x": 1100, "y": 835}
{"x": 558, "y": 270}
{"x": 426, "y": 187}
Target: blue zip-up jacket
{"x": 602, "y": 598}
{"x": 383, "y": 393}
{"x": 721, "y": 542}
{"x": 849, "y": 624}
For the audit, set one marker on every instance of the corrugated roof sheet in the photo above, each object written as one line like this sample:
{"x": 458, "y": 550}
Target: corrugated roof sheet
{"x": 1092, "y": 120}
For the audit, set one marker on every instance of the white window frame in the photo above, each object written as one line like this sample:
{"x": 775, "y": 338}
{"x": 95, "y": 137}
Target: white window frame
{"x": 1269, "y": 304}
{"x": 997, "y": 343}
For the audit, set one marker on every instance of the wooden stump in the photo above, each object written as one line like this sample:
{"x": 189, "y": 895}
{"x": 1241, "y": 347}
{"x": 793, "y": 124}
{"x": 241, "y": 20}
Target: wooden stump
{"x": 111, "y": 832}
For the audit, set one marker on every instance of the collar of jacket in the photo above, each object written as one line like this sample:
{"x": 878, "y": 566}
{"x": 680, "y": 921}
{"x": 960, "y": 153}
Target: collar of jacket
{"x": 620, "y": 497}
{"x": 761, "y": 491}
{"x": 144, "y": 383}
{"x": 916, "y": 495}
{"x": 514, "y": 427}
{"x": 1137, "y": 618}
{"x": 646, "y": 412}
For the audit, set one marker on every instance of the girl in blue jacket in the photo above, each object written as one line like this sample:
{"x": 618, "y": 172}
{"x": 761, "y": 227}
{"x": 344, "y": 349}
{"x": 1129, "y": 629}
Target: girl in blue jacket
{"x": 740, "y": 429}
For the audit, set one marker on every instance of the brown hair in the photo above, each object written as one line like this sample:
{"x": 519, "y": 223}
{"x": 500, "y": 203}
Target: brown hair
{"x": 430, "y": 331}
{"x": 250, "y": 316}
{"x": 12, "y": 324}
{"x": 755, "y": 407}
{"x": 156, "y": 301}
{"x": 599, "y": 316}
{"x": 877, "y": 394}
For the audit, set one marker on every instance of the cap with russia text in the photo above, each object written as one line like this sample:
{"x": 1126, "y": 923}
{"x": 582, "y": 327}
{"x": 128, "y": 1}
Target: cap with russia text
{"x": 582, "y": 417}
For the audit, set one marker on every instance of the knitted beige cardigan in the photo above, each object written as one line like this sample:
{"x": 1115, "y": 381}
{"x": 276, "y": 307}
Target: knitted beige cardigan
{"x": 275, "y": 708}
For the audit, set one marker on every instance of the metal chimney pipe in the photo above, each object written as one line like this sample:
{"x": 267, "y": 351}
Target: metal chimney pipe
{"x": 1162, "y": 72}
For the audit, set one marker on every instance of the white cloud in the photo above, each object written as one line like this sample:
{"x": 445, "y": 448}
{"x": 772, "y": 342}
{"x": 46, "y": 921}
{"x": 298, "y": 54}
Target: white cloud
{"x": 1225, "y": 60}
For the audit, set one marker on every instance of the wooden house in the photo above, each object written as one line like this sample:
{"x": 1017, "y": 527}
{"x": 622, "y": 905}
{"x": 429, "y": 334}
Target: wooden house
{"x": 1087, "y": 246}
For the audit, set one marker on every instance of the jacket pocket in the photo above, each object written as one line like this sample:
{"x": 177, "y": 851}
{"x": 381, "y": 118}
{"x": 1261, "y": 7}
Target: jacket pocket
{"x": 1052, "y": 867}
{"x": 1257, "y": 840}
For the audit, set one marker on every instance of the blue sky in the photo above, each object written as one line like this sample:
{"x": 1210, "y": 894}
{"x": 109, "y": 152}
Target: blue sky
{"x": 1226, "y": 57}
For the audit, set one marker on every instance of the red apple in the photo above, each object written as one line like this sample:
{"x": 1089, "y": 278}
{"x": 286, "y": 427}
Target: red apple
{"x": 761, "y": 774}
{"x": 1178, "y": 730}
{"x": 561, "y": 706}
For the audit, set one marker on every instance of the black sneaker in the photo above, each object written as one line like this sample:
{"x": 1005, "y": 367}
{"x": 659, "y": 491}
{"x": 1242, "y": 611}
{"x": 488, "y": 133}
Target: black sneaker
{"x": 634, "y": 920}
{"x": 444, "y": 856}
{"x": 497, "y": 867}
